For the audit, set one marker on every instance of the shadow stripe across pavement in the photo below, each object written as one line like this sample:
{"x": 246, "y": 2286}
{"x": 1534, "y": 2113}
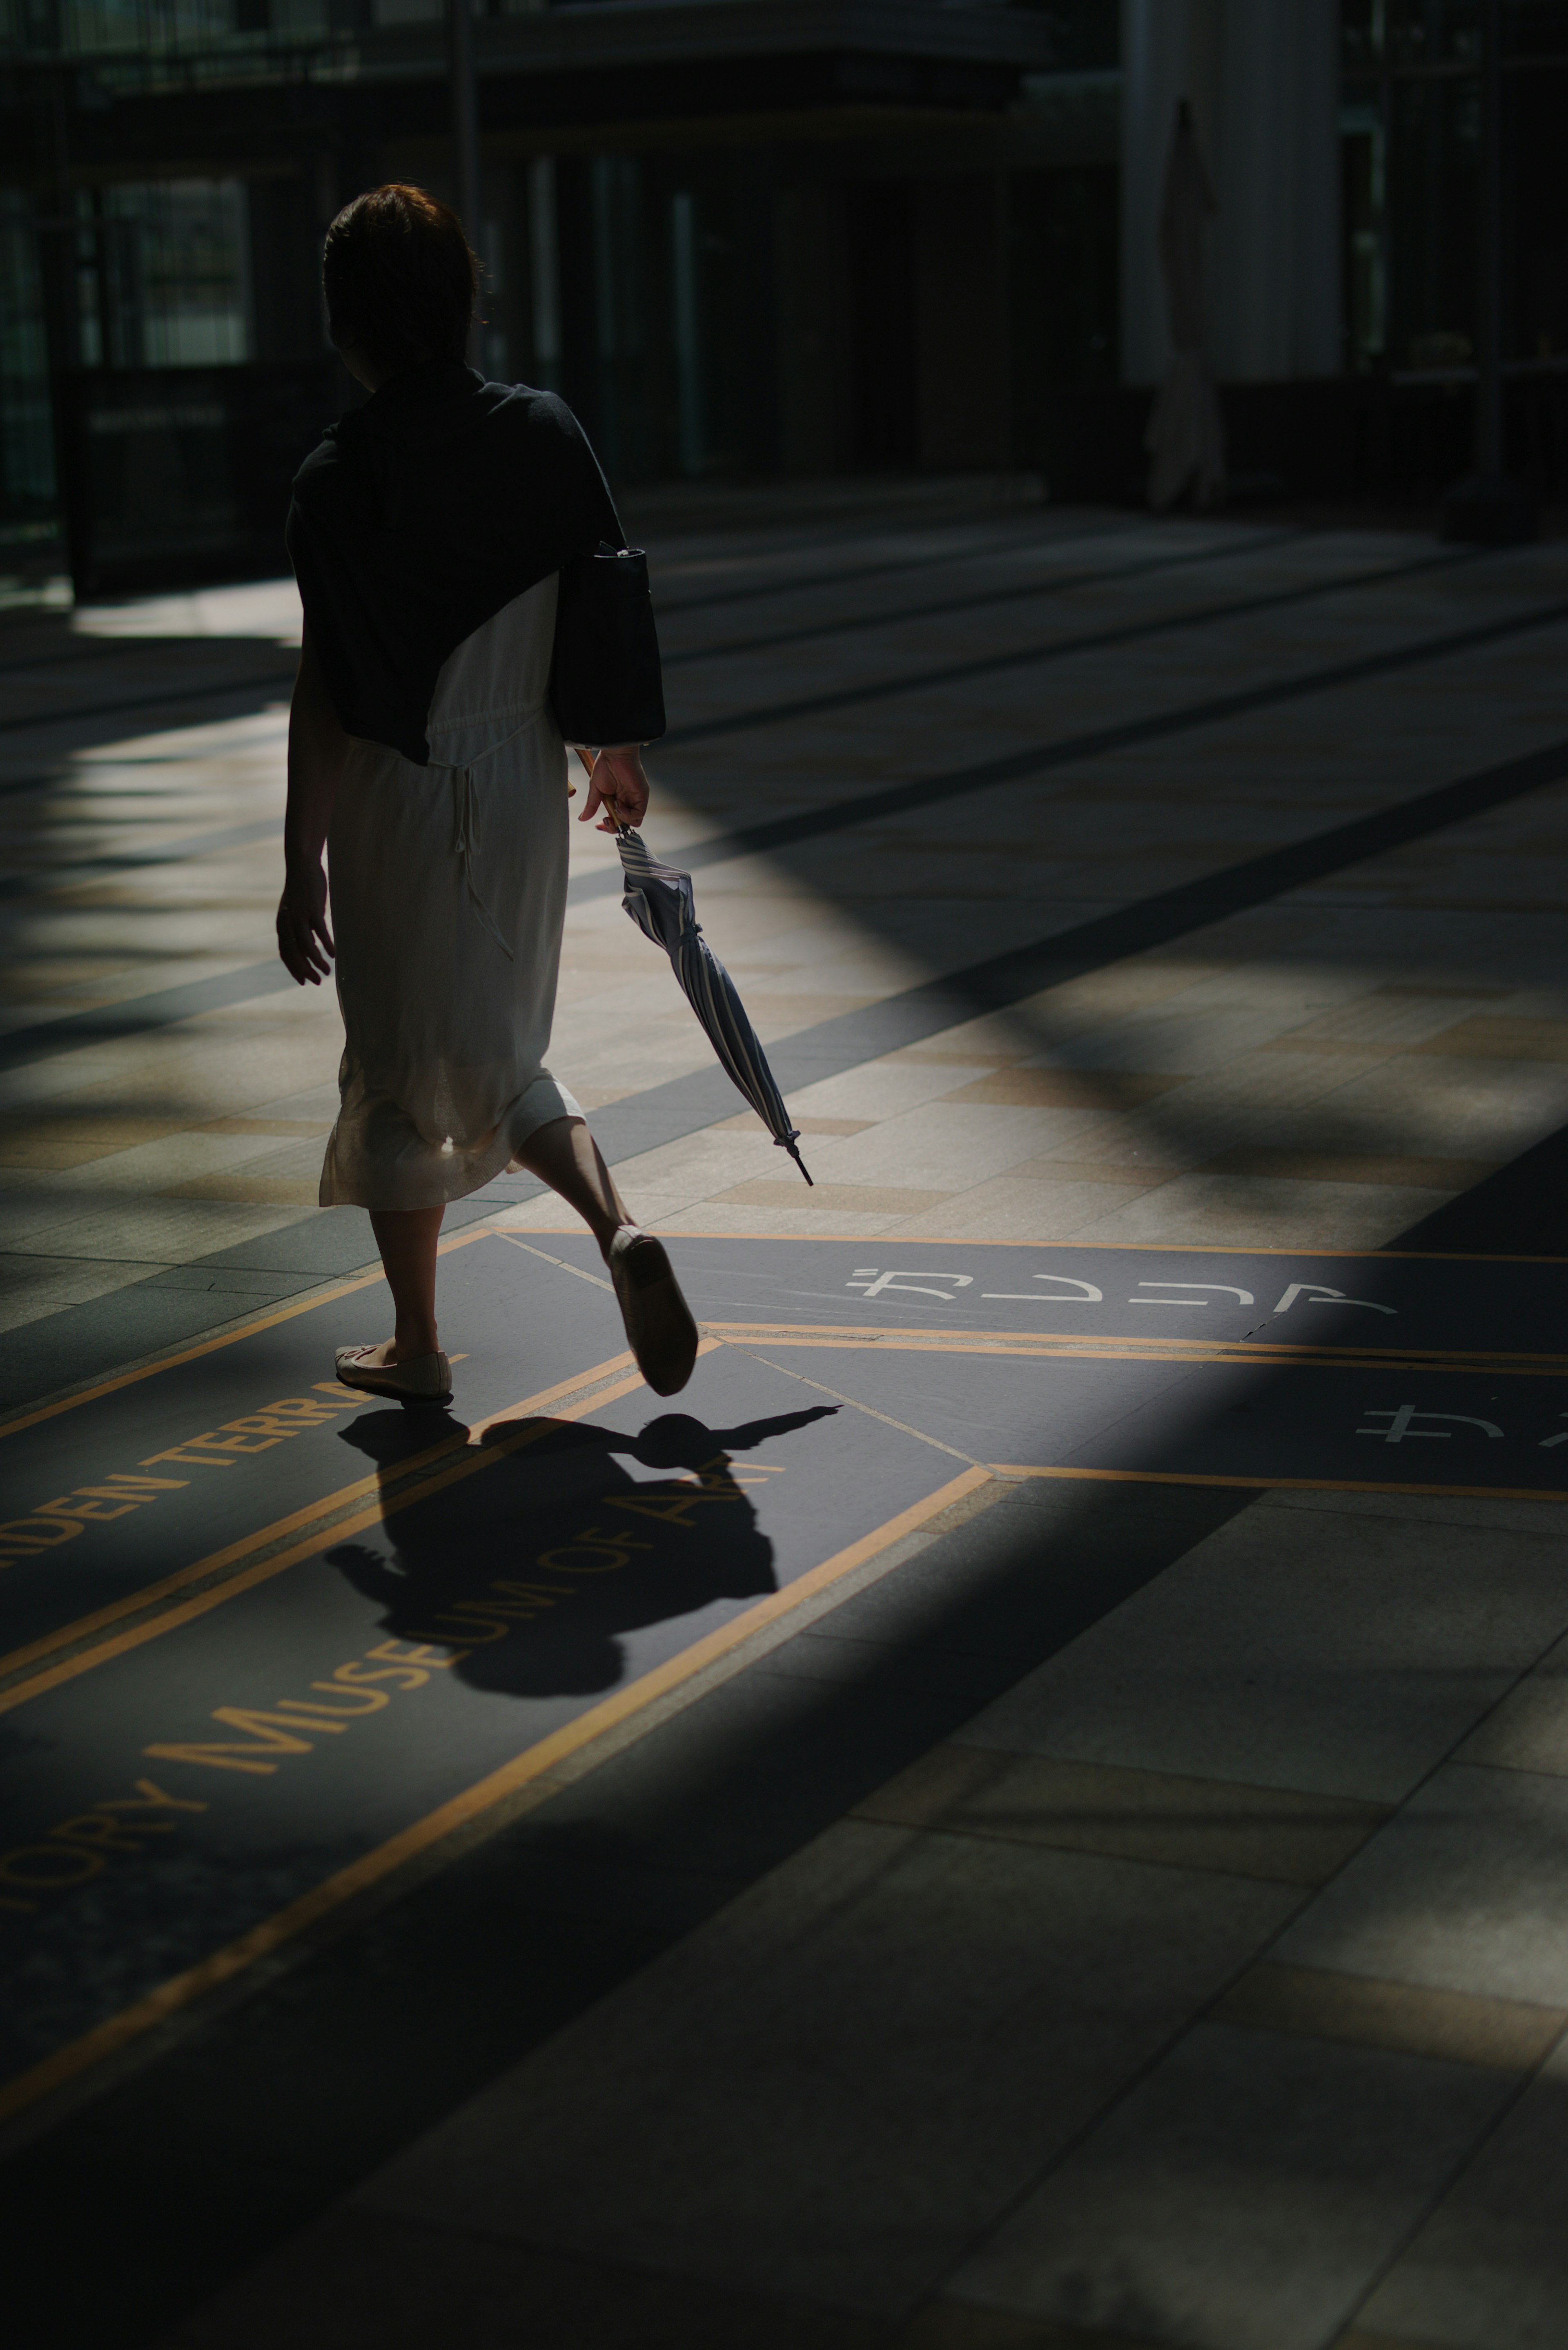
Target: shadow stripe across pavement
{"x": 110, "y": 649}
{"x": 73, "y": 874}
{"x": 171, "y": 698}
{"x": 1020, "y": 529}
{"x": 1095, "y": 743}
{"x": 589, "y": 886}
{"x": 270, "y": 679}
{"x": 1016, "y": 593}
{"x": 80, "y": 1342}
{"x": 683, "y": 1105}
{"x": 74, "y": 1029}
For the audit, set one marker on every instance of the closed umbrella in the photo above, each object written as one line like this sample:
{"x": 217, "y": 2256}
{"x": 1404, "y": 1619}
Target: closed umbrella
{"x": 660, "y": 902}
{"x": 1185, "y": 436}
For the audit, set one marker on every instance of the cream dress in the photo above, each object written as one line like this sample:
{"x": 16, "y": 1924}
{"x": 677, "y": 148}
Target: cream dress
{"x": 448, "y": 891}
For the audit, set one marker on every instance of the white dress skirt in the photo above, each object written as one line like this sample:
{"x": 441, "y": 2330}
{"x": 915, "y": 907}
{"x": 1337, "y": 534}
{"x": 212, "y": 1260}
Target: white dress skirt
{"x": 449, "y": 891}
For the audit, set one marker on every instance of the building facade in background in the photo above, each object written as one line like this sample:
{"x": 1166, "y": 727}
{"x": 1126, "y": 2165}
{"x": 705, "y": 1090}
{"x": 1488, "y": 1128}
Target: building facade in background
{"x": 753, "y": 237}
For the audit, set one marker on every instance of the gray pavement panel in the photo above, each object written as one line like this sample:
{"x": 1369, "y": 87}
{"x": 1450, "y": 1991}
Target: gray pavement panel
{"x": 1521, "y": 1211}
{"x": 170, "y": 698}
{"x": 19, "y": 1047}
{"x": 1018, "y": 592}
{"x": 601, "y": 885}
{"x": 1208, "y": 713}
{"x": 1402, "y": 1372}
{"x": 273, "y": 676}
{"x": 205, "y": 1451}
{"x": 568, "y": 1559}
{"x": 264, "y": 2112}
{"x": 1374, "y": 1302}
{"x": 66, "y": 874}
{"x": 974, "y": 550}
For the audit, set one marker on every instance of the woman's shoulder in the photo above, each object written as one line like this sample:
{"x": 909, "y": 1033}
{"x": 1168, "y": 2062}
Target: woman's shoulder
{"x": 524, "y": 407}
{"x": 320, "y": 470}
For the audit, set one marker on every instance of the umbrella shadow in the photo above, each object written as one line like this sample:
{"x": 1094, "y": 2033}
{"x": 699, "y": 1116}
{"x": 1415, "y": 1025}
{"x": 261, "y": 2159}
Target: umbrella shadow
{"x": 545, "y": 1550}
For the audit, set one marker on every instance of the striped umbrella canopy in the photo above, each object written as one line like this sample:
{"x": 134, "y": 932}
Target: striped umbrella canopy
{"x": 661, "y": 902}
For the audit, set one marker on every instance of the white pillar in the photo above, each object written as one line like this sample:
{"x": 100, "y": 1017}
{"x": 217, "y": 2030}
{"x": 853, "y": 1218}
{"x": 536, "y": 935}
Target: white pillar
{"x": 1155, "y": 74}
{"x": 1263, "y": 80}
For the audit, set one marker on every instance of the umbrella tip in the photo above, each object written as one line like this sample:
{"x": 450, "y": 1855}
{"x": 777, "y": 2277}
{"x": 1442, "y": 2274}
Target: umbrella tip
{"x": 790, "y": 1142}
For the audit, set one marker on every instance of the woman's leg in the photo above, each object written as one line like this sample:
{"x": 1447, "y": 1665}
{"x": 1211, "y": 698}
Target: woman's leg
{"x": 407, "y": 1239}
{"x": 658, "y": 1324}
{"x": 565, "y": 1155}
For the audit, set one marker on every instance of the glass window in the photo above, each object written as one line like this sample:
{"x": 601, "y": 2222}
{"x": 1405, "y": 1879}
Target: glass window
{"x": 177, "y": 269}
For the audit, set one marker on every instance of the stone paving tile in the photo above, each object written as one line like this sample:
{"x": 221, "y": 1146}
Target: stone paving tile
{"x": 1018, "y": 1207}
{"x": 1359, "y": 1166}
{"x": 1529, "y": 1730}
{"x": 841, "y": 1997}
{"x": 954, "y": 2325}
{"x": 1177, "y": 1823}
{"x": 836, "y": 1199}
{"x": 776, "y": 1217}
{"x": 1458, "y": 1106}
{"x": 1244, "y": 2196}
{"x": 358, "y": 2282}
{"x": 951, "y": 1146}
{"x": 884, "y": 1087}
{"x": 32, "y": 1286}
{"x": 1463, "y": 1890}
{"x": 1489, "y": 2269}
{"x": 1239, "y": 1211}
{"x": 1312, "y": 1651}
{"x": 1492, "y": 1515}
{"x": 1315, "y": 2003}
{"x": 160, "y": 1231}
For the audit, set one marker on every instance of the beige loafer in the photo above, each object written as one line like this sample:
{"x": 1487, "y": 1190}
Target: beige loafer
{"x": 426, "y": 1379}
{"x": 658, "y": 1326}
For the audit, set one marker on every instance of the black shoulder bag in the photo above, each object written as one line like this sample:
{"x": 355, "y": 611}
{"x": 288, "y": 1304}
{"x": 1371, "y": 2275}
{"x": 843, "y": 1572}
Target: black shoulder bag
{"x": 606, "y": 682}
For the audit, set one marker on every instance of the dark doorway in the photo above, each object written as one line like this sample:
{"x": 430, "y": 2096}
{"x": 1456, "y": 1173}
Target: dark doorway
{"x": 882, "y": 296}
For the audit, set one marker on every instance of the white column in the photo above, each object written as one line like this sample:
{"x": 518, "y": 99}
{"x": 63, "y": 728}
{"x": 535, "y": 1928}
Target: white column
{"x": 1155, "y": 74}
{"x": 1263, "y": 80}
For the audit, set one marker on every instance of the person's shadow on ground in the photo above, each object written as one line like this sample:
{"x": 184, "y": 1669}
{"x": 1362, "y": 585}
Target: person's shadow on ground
{"x": 535, "y": 1562}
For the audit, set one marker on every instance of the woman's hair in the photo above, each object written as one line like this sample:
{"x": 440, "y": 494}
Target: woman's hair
{"x": 400, "y": 279}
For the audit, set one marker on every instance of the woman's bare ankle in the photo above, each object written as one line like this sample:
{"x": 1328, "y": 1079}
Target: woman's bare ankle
{"x": 408, "y": 1348}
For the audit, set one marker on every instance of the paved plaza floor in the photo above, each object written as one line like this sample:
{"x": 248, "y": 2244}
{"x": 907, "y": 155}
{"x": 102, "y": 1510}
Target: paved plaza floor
{"x": 1028, "y": 1808}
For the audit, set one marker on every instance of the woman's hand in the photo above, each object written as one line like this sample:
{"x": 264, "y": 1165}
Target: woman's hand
{"x": 304, "y": 941}
{"x": 619, "y": 785}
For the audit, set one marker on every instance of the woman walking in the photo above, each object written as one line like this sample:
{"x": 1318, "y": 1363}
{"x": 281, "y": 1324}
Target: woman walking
{"x": 427, "y": 533}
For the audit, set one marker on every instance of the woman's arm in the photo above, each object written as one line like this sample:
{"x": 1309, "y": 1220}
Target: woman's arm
{"x": 317, "y": 747}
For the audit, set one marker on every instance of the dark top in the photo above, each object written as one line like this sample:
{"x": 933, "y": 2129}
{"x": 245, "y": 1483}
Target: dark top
{"x": 418, "y": 518}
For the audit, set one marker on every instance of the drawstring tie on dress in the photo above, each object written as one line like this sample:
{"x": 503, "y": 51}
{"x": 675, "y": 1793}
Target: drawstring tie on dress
{"x": 465, "y": 845}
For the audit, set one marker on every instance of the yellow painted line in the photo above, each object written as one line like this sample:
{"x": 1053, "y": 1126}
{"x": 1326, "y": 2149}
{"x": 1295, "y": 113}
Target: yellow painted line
{"x": 114, "y": 2033}
{"x": 1130, "y": 1248}
{"x": 1284, "y": 1484}
{"x": 228, "y": 1339}
{"x": 1052, "y": 1346}
{"x": 469, "y": 1457}
{"x": 936, "y": 1240}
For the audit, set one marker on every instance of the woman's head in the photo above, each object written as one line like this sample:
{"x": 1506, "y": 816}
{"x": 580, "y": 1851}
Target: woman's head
{"x": 399, "y": 280}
